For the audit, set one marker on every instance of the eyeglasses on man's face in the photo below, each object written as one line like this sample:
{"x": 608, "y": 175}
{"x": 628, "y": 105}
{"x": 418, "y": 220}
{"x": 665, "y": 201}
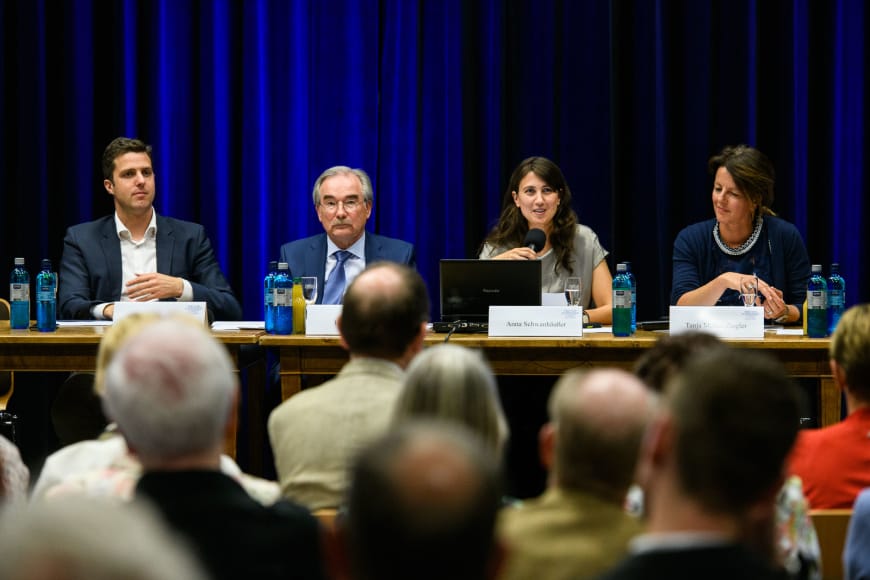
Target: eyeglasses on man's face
{"x": 350, "y": 205}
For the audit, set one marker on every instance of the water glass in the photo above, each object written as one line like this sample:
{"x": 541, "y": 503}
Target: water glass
{"x": 309, "y": 289}
{"x": 749, "y": 291}
{"x": 573, "y": 291}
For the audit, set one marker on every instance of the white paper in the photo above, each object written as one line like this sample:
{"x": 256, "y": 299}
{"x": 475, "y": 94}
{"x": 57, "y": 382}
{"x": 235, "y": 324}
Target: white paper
{"x": 535, "y": 321}
{"x": 720, "y": 321}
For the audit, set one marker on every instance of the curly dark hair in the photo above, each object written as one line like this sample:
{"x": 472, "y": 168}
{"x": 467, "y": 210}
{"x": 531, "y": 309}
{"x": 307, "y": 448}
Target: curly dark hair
{"x": 512, "y": 227}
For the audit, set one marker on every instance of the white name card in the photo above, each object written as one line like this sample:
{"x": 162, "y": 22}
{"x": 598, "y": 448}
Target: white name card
{"x": 535, "y": 321}
{"x": 720, "y": 321}
{"x": 320, "y": 319}
{"x": 197, "y": 310}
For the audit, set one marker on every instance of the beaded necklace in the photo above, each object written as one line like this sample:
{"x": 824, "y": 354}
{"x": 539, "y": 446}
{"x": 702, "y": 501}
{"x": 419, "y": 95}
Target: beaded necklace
{"x": 745, "y": 246}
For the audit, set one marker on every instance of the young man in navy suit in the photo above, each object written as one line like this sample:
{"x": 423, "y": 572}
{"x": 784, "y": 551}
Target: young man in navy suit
{"x": 343, "y": 201}
{"x": 136, "y": 254}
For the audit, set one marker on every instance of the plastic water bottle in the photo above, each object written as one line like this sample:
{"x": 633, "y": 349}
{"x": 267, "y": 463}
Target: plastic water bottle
{"x": 19, "y": 296}
{"x": 298, "y": 307}
{"x": 633, "y": 296}
{"x": 268, "y": 297}
{"x": 836, "y": 297}
{"x": 621, "y": 303}
{"x": 282, "y": 299}
{"x": 817, "y": 304}
{"x": 46, "y": 298}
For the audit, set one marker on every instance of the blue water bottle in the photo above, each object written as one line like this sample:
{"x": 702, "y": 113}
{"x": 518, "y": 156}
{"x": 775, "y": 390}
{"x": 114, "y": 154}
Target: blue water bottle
{"x": 19, "y": 296}
{"x": 268, "y": 297}
{"x": 817, "y": 304}
{"x": 631, "y": 279}
{"x": 283, "y": 300}
{"x": 836, "y": 297}
{"x": 46, "y": 298}
{"x": 621, "y": 303}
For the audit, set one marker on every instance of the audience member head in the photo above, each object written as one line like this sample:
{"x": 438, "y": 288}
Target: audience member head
{"x": 118, "y": 147}
{"x": 87, "y": 539}
{"x": 385, "y": 312}
{"x": 669, "y": 354}
{"x": 597, "y": 421}
{"x": 850, "y": 352}
{"x": 752, "y": 172}
{"x": 454, "y": 383}
{"x": 732, "y": 417}
{"x": 343, "y": 201}
{"x": 171, "y": 389}
{"x": 422, "y": 504}
{"x": 112, "y": 340}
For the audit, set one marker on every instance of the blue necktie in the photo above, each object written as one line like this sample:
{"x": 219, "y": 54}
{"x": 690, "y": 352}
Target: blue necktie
{"x": 333, "y": 290}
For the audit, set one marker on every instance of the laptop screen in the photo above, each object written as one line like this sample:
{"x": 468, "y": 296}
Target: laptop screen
{"x": 469, "y": 287}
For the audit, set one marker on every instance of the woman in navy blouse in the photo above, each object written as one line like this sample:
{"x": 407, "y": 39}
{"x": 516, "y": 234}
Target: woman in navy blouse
{"x": 716, "y": 258}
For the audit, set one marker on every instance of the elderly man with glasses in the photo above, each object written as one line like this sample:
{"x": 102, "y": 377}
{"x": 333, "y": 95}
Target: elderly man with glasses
{"x": 343, "y": 201}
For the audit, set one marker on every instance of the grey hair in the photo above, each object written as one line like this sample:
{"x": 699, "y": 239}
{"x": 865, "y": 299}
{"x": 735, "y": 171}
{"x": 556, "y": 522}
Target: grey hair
{"x": 454, "y": 383}
{"x": 92, "y": 539}
{"x": 368, "y": 194}
{"x": 170, "y": 389}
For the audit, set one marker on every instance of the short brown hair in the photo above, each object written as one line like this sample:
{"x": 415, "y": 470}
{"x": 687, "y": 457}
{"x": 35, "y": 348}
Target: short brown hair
{"x": 118, "y": 147}
{"x": 736, "y": 415}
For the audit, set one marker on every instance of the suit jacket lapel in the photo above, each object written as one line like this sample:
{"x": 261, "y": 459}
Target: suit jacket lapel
{"x": 315, "y": 262}
{"x": 111, "y": 248}
{"x": 165, "y": 245}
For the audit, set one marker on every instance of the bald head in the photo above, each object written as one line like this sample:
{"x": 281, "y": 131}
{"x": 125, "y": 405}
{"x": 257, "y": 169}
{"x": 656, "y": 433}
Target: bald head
{"x": 599, "y": 419}
{"x": 422, "y": 503}
{"x": 384, "y": 309}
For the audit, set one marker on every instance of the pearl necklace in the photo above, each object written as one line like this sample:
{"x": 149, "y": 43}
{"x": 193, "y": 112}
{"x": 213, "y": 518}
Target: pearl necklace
{"x": 745, "y": 246}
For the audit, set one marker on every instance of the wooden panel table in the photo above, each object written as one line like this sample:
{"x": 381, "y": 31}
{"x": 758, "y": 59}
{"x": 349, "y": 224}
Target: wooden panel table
{"x": 323, "y": 356}
{"x": 74, "y": 348}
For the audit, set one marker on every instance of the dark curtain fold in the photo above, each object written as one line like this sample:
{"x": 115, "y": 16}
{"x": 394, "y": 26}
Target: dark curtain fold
{"x": 246, "y": 102}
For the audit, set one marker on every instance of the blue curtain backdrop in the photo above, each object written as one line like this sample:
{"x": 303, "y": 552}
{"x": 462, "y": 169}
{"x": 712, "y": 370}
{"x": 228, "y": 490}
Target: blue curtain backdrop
{"x": 246, "y": 102}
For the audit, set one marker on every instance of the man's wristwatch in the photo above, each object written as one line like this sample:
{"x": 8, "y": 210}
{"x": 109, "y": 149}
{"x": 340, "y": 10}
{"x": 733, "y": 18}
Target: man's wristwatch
{"x": 585, "y": 318}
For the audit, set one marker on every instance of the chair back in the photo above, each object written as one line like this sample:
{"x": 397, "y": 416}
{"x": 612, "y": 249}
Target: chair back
{"x": 831, "y": 527}
{"x": 5, "y": 376}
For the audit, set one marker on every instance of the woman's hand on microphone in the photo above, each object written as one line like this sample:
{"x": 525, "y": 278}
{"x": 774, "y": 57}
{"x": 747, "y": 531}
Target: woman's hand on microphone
{"x": 518, "y": 254}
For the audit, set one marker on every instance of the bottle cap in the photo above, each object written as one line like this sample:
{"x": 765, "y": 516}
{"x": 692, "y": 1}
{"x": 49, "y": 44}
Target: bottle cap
{"x": 620, "y": 267}
{"x": 817, "y": 268}
{"x": 46, "y": 264}
{"x": 273, "y": 265}
{"x": 283, "y": 266}
{"x": 19, "y": 261}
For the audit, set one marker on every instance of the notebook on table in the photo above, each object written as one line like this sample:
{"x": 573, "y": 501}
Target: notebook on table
{"x": 469, "y": 287}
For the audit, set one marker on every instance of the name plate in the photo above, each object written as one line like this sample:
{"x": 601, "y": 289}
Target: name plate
{"x": 535, "y": 321}
{"x": 320, "y": 319}
{"x": 197, "y": 310}
{"x": 720, "y": 321}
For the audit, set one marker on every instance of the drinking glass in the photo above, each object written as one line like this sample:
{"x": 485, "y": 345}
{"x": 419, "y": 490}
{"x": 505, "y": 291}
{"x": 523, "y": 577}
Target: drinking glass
{"x": 573, "y": 292}
{"x": 749, "y": 291}
{"x": 309, "y": 289}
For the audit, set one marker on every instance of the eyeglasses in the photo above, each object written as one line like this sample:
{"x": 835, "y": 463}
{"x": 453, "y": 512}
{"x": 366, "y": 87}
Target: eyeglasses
{"x": 350, "y": 205}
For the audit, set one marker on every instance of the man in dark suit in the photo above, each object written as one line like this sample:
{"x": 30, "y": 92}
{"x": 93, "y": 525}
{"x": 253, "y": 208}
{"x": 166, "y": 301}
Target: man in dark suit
{"x": 343, "y": 201}
{"x": 136, "y": 254}
{"x": 711, "y": 466}
{"x": 172, "y": 391}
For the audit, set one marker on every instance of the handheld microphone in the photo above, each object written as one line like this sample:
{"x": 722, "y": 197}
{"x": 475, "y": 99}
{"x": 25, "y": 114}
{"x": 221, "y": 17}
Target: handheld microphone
{"x": 536, "y": 239}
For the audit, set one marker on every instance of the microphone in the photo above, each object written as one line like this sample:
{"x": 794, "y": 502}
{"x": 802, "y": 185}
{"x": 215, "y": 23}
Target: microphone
{"x": 536, "y": 239}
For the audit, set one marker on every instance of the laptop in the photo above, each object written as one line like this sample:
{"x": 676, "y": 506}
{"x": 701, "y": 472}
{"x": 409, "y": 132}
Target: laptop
{"x": 469, "y": 287}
